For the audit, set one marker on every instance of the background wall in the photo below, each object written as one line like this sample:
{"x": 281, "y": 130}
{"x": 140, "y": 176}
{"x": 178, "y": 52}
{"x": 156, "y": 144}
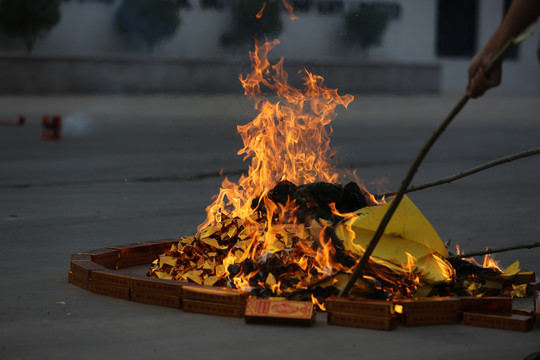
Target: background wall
{"x": 87, "y": 30}
{"x": 139, "y": 75}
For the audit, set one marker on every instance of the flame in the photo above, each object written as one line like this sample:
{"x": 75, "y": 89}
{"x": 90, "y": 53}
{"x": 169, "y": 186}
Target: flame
{"x": 488, "y": 263}
{"x": 289, "y": 139}
{"x": 250, "y": 242}
{"x": 318, "y": 303}
{"x": 409, "y": 271}
{"x": 446, "y": 270}
{"x": 410, "y": 267}
{"x": 289, "y": 8}
{"x": 260, "y": 13}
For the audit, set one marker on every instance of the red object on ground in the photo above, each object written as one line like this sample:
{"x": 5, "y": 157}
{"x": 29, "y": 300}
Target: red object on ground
{"x": 19, "y": 122}
{"x": 51, "y": 129}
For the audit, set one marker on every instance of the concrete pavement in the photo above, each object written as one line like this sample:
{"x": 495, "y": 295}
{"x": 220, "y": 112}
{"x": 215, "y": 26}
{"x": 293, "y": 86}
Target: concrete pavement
{"x": 144, "y": 168}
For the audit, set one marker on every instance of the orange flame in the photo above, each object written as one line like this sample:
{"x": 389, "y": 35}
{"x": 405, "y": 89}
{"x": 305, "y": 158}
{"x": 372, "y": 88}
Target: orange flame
{"x": 446, "y": 270}
{"x": 268, "y": 250}
{"x": 489, "y": 262}
{"x": 289, "y": 8}
{"x": 260, "y": 13}
{"x": 289, "y": 139}
{"x": 318, "y": 303}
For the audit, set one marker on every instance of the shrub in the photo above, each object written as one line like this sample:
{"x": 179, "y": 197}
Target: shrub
{"x": 28, "y": 19}
{"x": 149, "y": 20}
{"x": 365, "y": 26}
{"x": 246, "y": 26}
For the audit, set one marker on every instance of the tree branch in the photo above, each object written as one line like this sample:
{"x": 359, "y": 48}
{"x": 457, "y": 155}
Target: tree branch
{"x": 493, "y": 251}
{"x": 465, "y": 173}
{"x": 359, "y": 269}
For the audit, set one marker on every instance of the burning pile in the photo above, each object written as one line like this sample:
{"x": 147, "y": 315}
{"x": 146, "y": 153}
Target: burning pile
{"x": 286, "y": 228}
{"x": 278, "y": 247}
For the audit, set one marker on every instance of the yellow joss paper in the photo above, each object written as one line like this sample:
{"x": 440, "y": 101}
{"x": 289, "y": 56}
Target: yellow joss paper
{"x": 491, "y": 284}
{"x": 408, "y": 232}
{"x": 433, "y": 269}
{"x": 208, "y": 231}
{"x": 167, "y": 260}
{"x": 243, "y": 244}
{"x": 276, "y": 246}
{"x": 243, "y": 234}
{"x": 232, "y": 231}
{"x": 220, "y": 270}
{"x": 238, "y": 256}
{"x": 187, "y": 240}
{"x": 163, "y": 275}
{"x": 210, "y": 280}
{"x": 423, "y": 290}
{"x": 212, "y": 242}
{"x": 512, "y": 269}
{"x": 194, "y": 275}
{"x": 270, "y": 280}
{"x": 473, "y": 288}
{"x": 519, "y": 290}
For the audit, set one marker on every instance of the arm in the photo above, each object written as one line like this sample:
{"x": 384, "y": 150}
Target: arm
{"x": 521, "y": 14}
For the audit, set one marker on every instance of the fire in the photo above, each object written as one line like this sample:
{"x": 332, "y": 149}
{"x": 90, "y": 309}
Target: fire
{"x": 289, "y": 8}
{"x": 273, "y": 232}
{"x": 318, "y": 303}
{"x": 260, "y": 13}
{"x": 488, "y": 263}
{"x": 289, "y": 139}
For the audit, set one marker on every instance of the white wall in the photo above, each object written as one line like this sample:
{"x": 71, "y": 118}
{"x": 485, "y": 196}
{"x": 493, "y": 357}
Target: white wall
{"x": 85, "y": 27}
{"x": 198, "y": 35}
{"x": 88, "y": 28}
{"x": 321, "y": 36}
{"x": 521, "y": 75}
{"x": 411, "y": 38}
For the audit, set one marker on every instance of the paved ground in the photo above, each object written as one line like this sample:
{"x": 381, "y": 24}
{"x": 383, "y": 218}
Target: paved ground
{"x": 143, "y": 168}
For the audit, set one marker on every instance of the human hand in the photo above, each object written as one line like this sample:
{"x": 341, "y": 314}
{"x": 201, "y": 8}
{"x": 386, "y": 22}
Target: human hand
{"x": 478, "y": 83}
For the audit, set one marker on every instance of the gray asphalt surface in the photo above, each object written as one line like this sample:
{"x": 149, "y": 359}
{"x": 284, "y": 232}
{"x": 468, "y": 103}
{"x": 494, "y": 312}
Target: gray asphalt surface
{"x": 144, "y": 167}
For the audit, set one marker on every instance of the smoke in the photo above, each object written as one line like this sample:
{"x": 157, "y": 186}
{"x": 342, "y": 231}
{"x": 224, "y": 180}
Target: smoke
{"x": 76, "y": 125}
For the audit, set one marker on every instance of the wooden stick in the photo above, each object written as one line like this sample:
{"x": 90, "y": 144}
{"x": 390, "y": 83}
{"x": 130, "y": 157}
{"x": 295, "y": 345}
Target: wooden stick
{"x": 465, "y": 173}
{"x": 359, "y": 269}
{"x": 493, "y": 251}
